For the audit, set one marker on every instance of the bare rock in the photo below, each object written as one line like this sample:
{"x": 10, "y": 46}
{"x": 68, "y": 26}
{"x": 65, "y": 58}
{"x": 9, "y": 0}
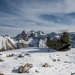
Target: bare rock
{"x": 1, "y": 60}
{"x": 66, "y": 54}
{"x": 58, "y": 60}
{"x": 20, "y": 56}
{"x": 54, "y": 60}
{"x": 72, "y": 73}
{"x": 1, "y": 74}
{"x": 36, "y": 71}
{"x": 0, "y": 54}
{"x": 23, "y": 55}
{"x": 46, "y": 65}
{"x": 26, "y": 54}
{"x": 66, "y": 62}
{"x": 25, "y": 68}
{"x": 10, "y": 55}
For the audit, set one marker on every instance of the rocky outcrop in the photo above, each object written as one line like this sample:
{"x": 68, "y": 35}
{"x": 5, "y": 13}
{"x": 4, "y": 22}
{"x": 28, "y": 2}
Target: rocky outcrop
{"x": 25, "y": 68}
{"x": 7, "y": 43}
{"x": 11, "y": 46}
{"x": 72, "y": 73}
{"x": 1, "y": 60}
{"x": 46, "y": 65}
{"x": 21, "y": 44}
{"x": 10, "y": 55}
{"x": 1, "y": 74}
{"x": 62, "y": 44}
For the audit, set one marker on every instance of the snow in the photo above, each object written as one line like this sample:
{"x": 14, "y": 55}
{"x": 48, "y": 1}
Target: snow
{"x": 12, "y": 40}
{"x": 1, "y": 38}
{"x": 4, "y": 41}
{"x": 42, "y": 43}
{"x": 61, "y": 62}
{"x": 64, "y": 64}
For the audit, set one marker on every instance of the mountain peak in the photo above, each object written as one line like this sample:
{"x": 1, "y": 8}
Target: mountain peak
{"x": 22, "y": 35}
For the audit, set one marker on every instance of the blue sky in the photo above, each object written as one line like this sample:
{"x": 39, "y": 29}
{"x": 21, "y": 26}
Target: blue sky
{"x": 45, "y": 15}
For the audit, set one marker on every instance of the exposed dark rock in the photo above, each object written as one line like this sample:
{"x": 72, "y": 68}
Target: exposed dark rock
{"x": 46, "y": 65}
{"x": 10, "y": 55}
{"x": 1, "y": 74}
{"x": 1, "y": 60}
{"x": 25, "y": 68}
{"x": 0, "y": 54}
{"x": 21, "y": 45}
{"x": 54, "y": 60}
{"x": 31, "y": 34}
{"x": 20, "y": 56}
{"x": 36, "y": 71}
{"x": 66, "y": 62}
{"x": 21, "y": 36}
{"x": 72, "y": 73}
{"x": 58, "y": 60}
{"x": 62, "y": 44}
{"x": 27, "y": 55}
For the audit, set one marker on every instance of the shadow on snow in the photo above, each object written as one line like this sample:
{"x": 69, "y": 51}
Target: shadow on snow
{"x": 42, "y": 50}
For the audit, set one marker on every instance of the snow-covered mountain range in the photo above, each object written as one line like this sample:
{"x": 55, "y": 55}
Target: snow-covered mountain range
{"x": 45, "y": 61}
{"x": 30, "y": 39}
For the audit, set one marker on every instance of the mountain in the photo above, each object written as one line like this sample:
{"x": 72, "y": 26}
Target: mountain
{"x": 30, "y": 39}
{"x": 53, "y": 36}
{"x": 37, "y": 34}
{"x": 21, "y": 36}
{"x": 7, "y": 43}
{"x": 31, "y": 34}
{"x": 34, "y": 38}
{"x": 72, "y": 38}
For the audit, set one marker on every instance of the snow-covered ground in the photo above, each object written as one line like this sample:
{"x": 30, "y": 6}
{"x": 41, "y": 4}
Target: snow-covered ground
{"x": 61, "y": 62}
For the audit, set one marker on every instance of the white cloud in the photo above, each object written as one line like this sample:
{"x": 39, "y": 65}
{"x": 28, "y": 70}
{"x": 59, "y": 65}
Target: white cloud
{"x": 28, "y": 15}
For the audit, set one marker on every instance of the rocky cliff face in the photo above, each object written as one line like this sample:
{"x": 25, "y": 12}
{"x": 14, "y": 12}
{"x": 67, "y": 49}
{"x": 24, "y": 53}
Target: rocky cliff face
{"x": 21, "y": 36}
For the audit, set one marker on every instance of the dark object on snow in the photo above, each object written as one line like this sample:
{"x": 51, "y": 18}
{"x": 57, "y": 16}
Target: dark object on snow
{"x": 25, "y": 68}
{"x": 1, "y": 74}
{"x": 46, "y": 65}
{"x": 1, "y": 60}
{"x": 61, "y": 44}
{"x": 72, "y": 73}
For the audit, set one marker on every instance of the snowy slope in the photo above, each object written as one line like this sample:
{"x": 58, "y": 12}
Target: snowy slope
{"x": 61, "y": 63}
{"x": 6, "y": 42}
{"x": 1, "y": 40}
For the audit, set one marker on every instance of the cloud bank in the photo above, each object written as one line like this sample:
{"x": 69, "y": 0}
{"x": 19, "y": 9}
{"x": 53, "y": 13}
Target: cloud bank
{"x": 46, "y": 15}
